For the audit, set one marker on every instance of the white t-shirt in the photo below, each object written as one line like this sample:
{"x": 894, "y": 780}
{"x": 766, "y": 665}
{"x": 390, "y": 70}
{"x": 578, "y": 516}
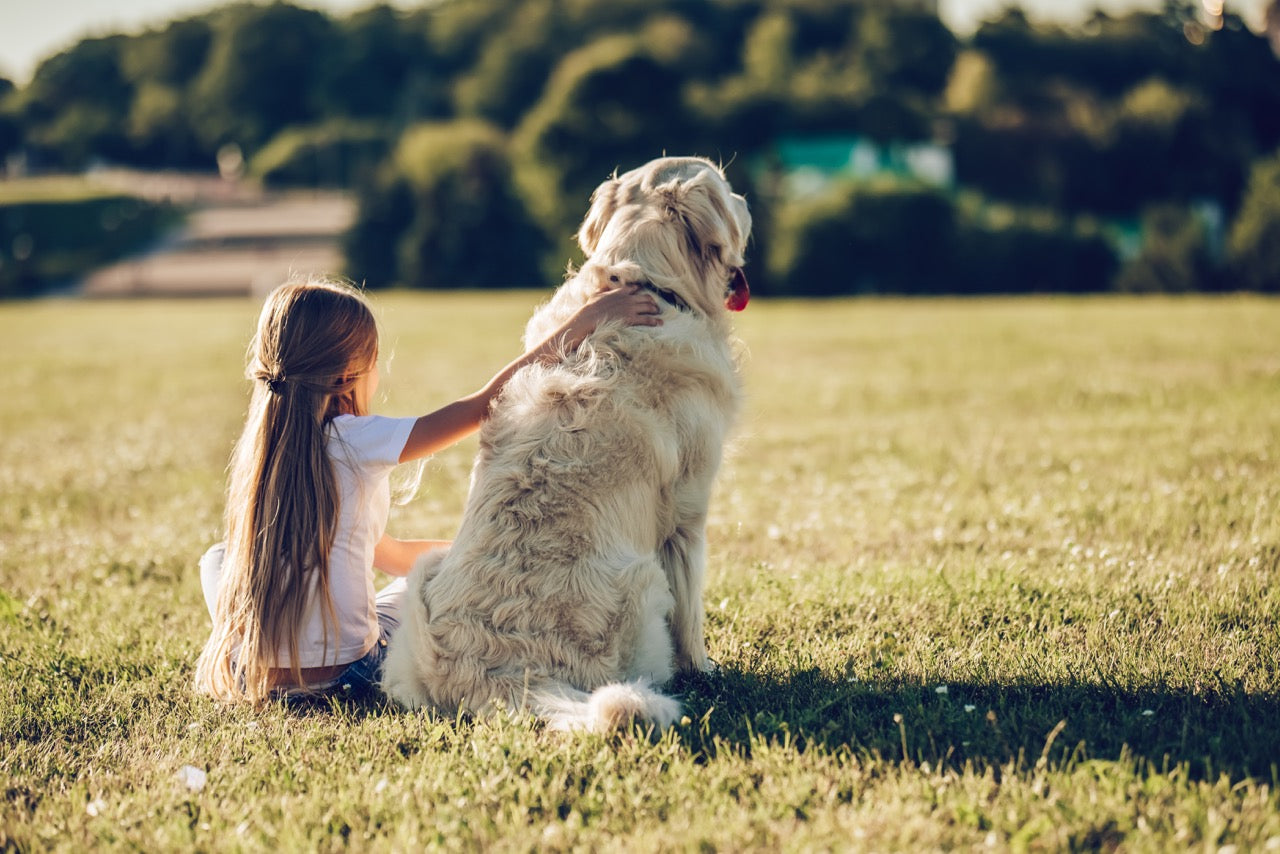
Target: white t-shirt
{"x": 363, "y": 449}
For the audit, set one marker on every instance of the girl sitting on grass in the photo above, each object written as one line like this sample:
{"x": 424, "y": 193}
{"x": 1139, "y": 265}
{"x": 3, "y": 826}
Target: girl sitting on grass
{"x": 291, "y": 590}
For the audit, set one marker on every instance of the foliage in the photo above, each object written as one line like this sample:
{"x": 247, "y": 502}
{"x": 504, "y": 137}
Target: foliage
{"x": 1133, "y": 111}
{"x": 877, "y": 239}
{"x": 1021, "y": 251}
{"x": 618, "y": 89}
{"x": 51, "y": 234}
{"x": 334, "y": 154}
{"x": 1175, "y": 256}
{"x": 77, "y": 102}
{"x": 381, "y": 69}
{"x": 443, "y": 185}
{"x": 991, "y": 574}
{"x": 1124, "y": 114}
{"x": 261, "y": 75}
{"x": 1255, "y": 236}
{"x": 513, "y": 66}
{"x": 891, "y": 238}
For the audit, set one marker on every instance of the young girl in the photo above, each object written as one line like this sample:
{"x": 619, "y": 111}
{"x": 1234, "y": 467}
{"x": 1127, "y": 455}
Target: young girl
{"x": 291, "y": 590}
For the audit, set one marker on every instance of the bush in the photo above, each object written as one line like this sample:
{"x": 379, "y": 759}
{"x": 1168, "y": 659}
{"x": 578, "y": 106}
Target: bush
{"x": 1175, "y": 255}
{"x": 1254, "y": 243}
{"x": 610, "y": 106}
{"x": 1019, "y": 251}
{"x": 444, "y": 212}
{"x": 864, "y": 239}
{"x": 335, "y": 154}
{"x": 896, "y": 239}
{"x": 47, "y": 242}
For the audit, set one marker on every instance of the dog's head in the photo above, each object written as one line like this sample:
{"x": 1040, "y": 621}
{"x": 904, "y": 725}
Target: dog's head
{"x": 680, "y": 222}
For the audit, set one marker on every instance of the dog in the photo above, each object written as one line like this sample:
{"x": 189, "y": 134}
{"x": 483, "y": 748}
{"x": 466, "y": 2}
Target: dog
{"x": 574, "y": 585}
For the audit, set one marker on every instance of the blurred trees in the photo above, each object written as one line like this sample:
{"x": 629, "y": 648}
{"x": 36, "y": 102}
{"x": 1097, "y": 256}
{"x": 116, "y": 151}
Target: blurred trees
{"x": 262, "y": 74}
{"x": 444, "y": 212}
{"x": 1255, "y": 237}
{"x": 1146, "y": 120}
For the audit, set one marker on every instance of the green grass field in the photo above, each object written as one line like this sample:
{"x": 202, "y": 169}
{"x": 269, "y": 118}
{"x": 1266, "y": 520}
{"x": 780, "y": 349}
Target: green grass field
{"x": 989, "y": 574}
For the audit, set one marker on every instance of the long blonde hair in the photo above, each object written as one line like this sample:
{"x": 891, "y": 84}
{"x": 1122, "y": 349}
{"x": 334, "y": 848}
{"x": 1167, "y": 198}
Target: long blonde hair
{"x": 313, "y": 343}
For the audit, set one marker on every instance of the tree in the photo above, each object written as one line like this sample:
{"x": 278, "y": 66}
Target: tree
{"x": 854, "y": 239}
{"x": 10, "y": 118}
{"x": 382, "y": 67}
{"x": 77, "y": 102}
{"x": 1254, "y": 242}
{"x": 512, "y": 67}
{"x": 262, "y": 75}
{"x": 339, "y": 153}
{"x": 172, "y": 56}
{"x": 1175, "y": 254}
{"x": 445, "y": 213}
{"x": 611, "y": 105}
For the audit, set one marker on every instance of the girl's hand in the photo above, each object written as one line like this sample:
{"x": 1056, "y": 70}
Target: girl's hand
{"x": 628, "y": 303}
{"x": 440, "y": 429}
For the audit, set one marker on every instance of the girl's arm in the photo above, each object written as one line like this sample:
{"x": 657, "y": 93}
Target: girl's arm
{"x": 396, "y": 557}
{"x": 449, "y": 424}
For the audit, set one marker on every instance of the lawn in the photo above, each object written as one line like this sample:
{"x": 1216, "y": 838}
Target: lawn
{"x": 983, "y": 574}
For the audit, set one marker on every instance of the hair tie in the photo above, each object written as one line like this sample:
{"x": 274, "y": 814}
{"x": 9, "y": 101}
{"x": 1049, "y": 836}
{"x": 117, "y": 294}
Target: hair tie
{"x": 276, "y": 383}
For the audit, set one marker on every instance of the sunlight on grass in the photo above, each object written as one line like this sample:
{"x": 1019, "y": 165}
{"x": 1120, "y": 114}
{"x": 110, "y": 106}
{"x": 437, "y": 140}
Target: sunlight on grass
{"x": 982, "y": 573}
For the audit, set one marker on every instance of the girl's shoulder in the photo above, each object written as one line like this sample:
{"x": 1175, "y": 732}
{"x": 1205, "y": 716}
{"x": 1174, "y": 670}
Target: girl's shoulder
{"x": 369, "y": 438}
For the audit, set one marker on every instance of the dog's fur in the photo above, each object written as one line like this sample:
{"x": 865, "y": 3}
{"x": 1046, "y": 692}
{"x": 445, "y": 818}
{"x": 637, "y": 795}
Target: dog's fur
{"x": 575, "y": 582}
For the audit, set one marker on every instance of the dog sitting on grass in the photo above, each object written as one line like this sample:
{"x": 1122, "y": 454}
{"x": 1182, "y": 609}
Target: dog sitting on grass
{"x": 574, "y": 585}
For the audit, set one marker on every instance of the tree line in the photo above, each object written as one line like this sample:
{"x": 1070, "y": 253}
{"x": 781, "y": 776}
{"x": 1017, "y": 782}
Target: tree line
{"x": 1136, "y": 152}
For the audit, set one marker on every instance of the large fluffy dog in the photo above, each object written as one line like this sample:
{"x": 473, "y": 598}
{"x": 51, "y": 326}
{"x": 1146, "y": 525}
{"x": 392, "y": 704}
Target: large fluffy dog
{"x": 575, "y": 582}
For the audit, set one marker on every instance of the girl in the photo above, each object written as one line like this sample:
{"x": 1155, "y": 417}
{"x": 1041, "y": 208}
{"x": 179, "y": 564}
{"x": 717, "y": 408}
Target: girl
{"x": 291, "y": 590}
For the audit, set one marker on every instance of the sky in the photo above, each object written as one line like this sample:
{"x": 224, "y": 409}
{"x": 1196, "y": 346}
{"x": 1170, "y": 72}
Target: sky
{"x": 32, "y": 30}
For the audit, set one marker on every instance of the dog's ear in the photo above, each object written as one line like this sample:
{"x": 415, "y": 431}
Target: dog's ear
{"x": 702, "y": 203}
{"x": 604, "y": 203}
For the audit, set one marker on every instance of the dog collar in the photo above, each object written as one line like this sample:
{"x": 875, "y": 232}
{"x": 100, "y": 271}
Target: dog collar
{"x": 670, "y": 297}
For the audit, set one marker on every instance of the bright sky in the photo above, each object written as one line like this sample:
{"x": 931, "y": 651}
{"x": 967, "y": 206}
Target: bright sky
{"x": 32, "y": 30}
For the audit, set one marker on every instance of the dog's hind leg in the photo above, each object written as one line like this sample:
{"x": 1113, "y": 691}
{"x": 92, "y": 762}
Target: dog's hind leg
{"x": 684, "y": 558}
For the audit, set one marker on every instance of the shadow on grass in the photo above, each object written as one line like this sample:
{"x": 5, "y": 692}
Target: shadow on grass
{"x": 1217, "y": 731}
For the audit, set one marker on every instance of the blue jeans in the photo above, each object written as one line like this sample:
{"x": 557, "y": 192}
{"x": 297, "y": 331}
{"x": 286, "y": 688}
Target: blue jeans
{"x": 363, "y": 675}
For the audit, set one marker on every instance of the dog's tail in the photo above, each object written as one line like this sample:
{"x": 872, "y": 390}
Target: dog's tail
{"x": 606, "y": 709}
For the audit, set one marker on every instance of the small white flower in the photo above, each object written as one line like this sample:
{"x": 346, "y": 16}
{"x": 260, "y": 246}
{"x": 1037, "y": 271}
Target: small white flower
{"x": 1146, "y": 713}
{"x": 95, "y": 807}
{"x": 941, "y": 689}
{"x": 192, "y": 777}
{"x": 969, "y": 707}
{"x": 381, "y": 786}
{"x": 724, "y": 603}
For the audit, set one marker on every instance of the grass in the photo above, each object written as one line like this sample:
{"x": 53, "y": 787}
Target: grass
{"x": 59, "y": 188}
{"x": 984, "y": 574}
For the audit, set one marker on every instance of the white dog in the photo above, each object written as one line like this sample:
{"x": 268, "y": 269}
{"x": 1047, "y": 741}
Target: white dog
{"x": 575, "y": 581}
